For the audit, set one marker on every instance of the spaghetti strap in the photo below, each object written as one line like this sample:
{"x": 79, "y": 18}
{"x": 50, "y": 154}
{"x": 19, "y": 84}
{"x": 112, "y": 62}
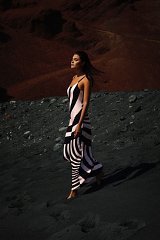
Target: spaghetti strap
{"x": 80, "y": 79}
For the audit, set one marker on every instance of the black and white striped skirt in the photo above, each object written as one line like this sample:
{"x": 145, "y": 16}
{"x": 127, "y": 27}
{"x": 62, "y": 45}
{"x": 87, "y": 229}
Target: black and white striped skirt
{"x": 84, "y": 166}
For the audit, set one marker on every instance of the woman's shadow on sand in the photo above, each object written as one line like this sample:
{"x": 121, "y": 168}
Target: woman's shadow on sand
{"x": 122, "y": 175}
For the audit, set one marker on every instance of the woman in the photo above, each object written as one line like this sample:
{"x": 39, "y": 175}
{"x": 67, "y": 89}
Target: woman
{"x": 77, "y": 143}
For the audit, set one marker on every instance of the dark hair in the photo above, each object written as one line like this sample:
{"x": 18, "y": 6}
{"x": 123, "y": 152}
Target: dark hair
{"x": 88, "y": 68}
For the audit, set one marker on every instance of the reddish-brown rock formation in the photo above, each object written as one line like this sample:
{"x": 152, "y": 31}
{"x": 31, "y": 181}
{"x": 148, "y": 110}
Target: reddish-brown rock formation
{"x": 122, "y": 38}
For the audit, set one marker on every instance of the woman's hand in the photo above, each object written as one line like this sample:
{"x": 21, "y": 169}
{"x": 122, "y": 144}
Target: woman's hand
{"x": 77, "y": 131}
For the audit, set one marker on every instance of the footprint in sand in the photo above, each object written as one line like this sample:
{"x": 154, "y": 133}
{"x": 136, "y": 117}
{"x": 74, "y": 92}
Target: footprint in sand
{"x": 90, "y": 227}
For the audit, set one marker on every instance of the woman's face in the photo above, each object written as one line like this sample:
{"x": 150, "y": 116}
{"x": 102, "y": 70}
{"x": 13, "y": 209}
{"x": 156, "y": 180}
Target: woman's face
{"x": 76, "y": 62}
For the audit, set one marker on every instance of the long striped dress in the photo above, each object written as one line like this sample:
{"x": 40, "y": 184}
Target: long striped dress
{"x": 78, "y": 150}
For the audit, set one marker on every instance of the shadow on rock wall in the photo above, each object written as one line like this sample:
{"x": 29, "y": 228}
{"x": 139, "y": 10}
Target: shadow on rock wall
{"x": 47, "y": 23}
{"x": 4, "y": 97}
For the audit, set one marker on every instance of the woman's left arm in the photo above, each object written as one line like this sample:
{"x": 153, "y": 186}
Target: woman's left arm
{"x": 86, "y": 98}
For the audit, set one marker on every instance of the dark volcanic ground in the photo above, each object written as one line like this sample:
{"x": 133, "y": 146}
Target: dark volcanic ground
{"x": 35, "y": 180}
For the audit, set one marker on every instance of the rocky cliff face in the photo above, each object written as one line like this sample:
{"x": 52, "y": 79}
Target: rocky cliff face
{"x": 38, "y": 38}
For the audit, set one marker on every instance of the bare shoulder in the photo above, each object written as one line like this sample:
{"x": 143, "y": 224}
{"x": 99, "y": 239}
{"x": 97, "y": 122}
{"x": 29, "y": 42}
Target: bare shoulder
{"x": 86, "y": 81}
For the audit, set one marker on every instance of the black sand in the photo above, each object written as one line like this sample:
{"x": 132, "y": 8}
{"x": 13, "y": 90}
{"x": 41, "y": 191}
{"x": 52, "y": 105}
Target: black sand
{"x": 35, "y": 180}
